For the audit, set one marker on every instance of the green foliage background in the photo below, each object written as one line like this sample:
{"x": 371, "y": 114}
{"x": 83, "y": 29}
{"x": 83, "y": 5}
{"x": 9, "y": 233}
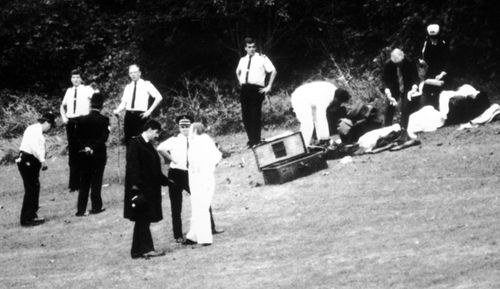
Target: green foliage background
{"x": 189, "y": 49}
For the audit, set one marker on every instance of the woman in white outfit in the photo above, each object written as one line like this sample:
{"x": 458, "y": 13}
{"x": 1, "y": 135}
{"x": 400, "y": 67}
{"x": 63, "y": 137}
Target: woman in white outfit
{"x": 203, "y": 156}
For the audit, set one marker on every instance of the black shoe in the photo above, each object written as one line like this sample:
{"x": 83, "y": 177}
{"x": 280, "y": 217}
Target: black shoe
{"x": 179, "y": 240}
{"x": 188, "y": 242}
{"x": 33, "y": 222}
{"x": 80, "y": 214}
{"x": 94, "y": 212}
{"x": 216, "y": 232}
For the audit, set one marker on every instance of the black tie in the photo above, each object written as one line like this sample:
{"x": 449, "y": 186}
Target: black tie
{"x": 133, "y": 94}
{"x": 248, "y": 68}
{"x": 400, "y": 80}
{"x": 187, "y": 150}
{"x": 74, "y": 103}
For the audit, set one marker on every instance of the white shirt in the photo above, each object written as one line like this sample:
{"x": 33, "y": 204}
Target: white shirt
{"x": 177, "y": 147}
{"x": 34, "y": 142}
{"x": 83, "y": 95}
{"x": 143, "y": 90}
{"x": 259, "y": 66}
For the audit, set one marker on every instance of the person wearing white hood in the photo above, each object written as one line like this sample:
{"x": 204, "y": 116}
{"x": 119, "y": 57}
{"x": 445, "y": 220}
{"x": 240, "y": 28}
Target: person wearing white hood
{"x": 203, "y": 157}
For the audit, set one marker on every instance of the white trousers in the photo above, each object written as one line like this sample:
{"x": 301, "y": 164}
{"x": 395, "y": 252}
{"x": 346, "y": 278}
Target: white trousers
{"x": 202, "y": 187}
{"x": 309, "y": 102}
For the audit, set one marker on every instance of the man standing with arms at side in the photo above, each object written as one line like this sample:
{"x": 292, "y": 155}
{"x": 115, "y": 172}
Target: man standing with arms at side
{"x": 251, "y": 73}
{"x": 143, "y": 181}
{"x": 76, "y": 103}
{"x": 93, "y": 132}
{"x": 135, "y": 100}
{"x": 31, "y": 159}
{"x": 175, "y": 150}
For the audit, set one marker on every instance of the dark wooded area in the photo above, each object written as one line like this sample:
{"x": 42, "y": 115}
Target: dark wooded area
{"x": 41, "y": 41}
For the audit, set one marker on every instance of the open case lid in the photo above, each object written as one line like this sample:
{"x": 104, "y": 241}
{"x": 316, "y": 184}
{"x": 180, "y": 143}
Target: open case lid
{"x": 279, "y": 148}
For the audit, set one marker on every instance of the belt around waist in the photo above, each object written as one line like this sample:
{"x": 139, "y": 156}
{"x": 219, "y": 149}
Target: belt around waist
{"x": 135, "y": 111}
{"x": 251, "y": 85}
{"x": 24, "y": 156}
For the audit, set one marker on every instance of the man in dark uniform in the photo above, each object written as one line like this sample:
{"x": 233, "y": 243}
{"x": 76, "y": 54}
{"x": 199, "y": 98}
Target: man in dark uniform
{"x": 174, "y": 150}
{"x": 143, "y": 181}
{"x": 399, "y": 77}
{"x": 31, "y": 159}
{"x": 93, "y": 132}
{"x": 435, "y": 53}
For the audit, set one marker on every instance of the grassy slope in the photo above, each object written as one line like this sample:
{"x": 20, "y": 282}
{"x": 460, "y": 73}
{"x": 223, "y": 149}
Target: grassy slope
{"x": 425, "y": 217}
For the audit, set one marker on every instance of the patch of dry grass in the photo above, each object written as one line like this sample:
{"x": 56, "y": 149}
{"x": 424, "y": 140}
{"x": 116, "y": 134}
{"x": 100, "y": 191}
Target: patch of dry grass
{"x": 425, "y": 217}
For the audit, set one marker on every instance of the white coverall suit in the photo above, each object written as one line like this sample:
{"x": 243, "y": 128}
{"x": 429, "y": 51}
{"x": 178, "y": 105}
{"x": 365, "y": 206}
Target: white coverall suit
{"x": 309, "y": 102}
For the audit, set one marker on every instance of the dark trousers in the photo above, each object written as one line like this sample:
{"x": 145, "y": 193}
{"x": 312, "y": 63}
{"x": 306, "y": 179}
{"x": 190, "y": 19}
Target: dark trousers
{"x": 73, "y": 155}
{"x": 133, "y": 124}
{"x": 251, "y": 111}
{"x": 142, "y": 241}
{"x": 407, "y": 108}
{"x": 181, "y": 183}
{"x": 29, "y": 167}
{"x": 92, "y": 170}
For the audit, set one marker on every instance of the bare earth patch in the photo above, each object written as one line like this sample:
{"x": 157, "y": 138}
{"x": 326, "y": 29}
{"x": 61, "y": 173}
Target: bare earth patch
{"x": 424, "y": 217}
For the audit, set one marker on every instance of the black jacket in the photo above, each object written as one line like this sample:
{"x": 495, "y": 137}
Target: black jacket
{"x": 93, "y": 132}
{"x": 390, "y": 77}
{"x": 143, "y": 177}
{"x": 436, "y": 56}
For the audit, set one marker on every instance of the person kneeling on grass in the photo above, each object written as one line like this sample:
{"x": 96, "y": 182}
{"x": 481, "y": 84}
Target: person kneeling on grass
{"x": 203, "y": 156}
{"x": 31, "y": 159}
{"x": 143, "y": 181}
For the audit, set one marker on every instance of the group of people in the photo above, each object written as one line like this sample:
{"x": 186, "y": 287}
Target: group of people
{"x": 420, "y": 89}
{"x": 192, "y": 156}
{"x": 319, "y": 106}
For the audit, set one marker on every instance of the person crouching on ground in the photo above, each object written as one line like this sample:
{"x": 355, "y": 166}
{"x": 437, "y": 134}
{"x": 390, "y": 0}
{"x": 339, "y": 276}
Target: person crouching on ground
{"x": 143, "y": 181}
{"x": 203, "y": 156}
{"x": 31, "y": 159}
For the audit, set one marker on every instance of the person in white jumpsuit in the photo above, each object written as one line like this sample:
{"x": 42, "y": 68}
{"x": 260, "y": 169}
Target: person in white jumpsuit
{"x": 203, "y": 156}
{"x": 310, "y": 102}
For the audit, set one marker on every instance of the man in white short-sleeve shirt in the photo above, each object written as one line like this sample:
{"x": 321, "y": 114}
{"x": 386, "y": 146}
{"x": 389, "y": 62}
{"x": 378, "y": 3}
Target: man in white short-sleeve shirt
{"x": 75, "y": 104}
{"x": 135, "y": 101}
{"x": 175, "y": 150}
{"x": 251, "y": 73}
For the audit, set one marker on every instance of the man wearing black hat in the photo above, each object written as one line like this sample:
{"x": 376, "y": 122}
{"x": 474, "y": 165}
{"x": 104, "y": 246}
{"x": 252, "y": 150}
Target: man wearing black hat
{"x": 175, "y": 150}
{"x": 92, "y": 134}
{"x": 31, "y": 159}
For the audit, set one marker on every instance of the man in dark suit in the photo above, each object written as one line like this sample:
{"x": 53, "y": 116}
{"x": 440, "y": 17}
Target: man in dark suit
{"x": 399, "y": 77}
{"x": 92, "y": 132}
{"x": 143, "y": 181}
